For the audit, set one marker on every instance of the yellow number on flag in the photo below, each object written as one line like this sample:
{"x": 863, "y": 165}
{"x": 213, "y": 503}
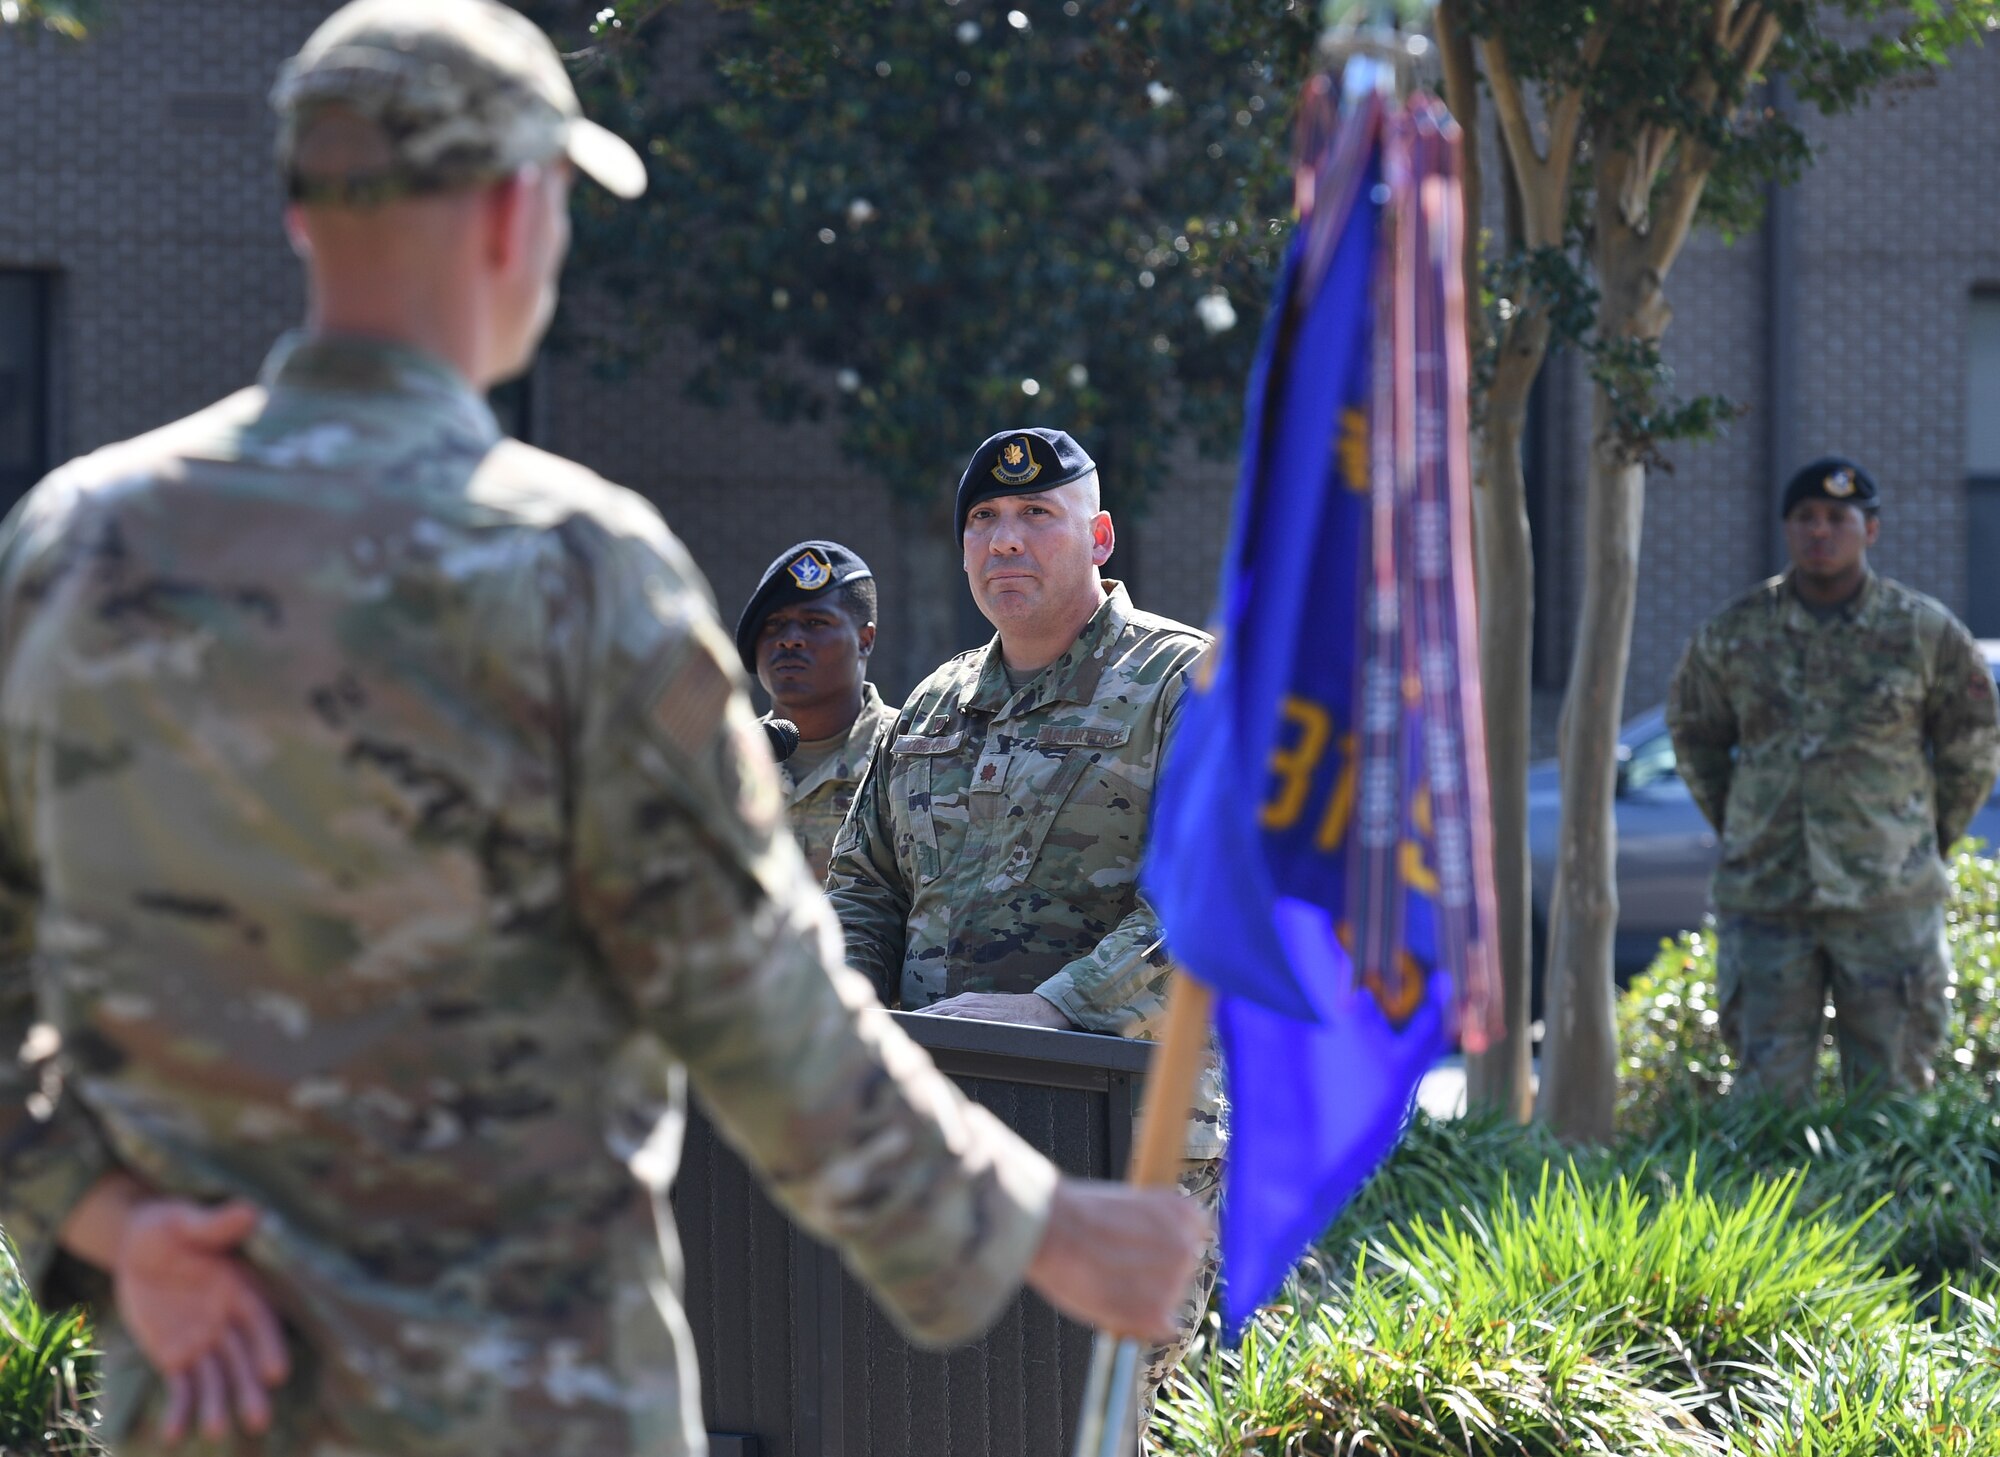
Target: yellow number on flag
{"x": 1294, "y": 766}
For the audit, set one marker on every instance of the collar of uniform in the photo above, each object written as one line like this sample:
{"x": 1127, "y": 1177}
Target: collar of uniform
{"x": 353, "y": 364}
{"x": 860, "y": 734}
{"x": 1071, "y": 678}
{"x": 1857, "y": 609}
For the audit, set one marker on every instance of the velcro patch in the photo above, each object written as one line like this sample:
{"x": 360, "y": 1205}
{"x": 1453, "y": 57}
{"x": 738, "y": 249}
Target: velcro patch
{"x": 759, "y": 797}
{"x": 1056, "y": 737}
{"x": 927, "y": 743}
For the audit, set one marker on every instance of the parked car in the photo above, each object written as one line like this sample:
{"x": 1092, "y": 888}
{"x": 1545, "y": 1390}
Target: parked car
{"x": 1666, "y": 850}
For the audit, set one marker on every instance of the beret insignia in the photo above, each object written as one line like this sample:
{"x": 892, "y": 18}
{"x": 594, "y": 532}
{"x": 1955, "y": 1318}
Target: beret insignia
{"x": 1017, "y": 465}
{"x": 811, "y": 570}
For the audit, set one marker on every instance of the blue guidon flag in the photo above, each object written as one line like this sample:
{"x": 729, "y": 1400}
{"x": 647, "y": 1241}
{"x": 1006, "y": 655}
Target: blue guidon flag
{"x": 1321, "y": 853}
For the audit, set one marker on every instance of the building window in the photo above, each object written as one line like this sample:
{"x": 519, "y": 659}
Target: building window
{"x": 24, "y": 382}
{"x": 1982, "y": 463}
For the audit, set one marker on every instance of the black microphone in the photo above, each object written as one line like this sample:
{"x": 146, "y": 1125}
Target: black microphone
{"x": 784, "y": 737}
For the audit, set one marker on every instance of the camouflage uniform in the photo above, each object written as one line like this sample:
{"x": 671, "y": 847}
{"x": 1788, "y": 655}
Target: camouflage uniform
{"x": 817, "y": 800}
{"x": 386, "y": 838}
{"x": 995, "y": 844}
{"x": 1838, "y": 758}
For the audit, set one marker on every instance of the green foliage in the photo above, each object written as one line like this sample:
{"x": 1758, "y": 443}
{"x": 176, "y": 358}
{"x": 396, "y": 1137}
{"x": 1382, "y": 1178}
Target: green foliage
{"x": 1743, "y": 1278}
{"x": 1905, "y": 1390}
{"x": 1661, "y": 67}
{"x": 1669, "y": 1026}
{"x": 1641, "y": 1314}
{"x": 1922, "y": 1174}
{"x": 72, "y": 19}
{"x": 1731, "y": 1276}
{"x": 933, "y": 220}
{"x": 1688, "y": 1281}
{"x": 1386, "y": 1370}
{"x": 900, "y": 212}
{"x": 45, "y": 1374}
{"x": 1669, "y": 1033}
{"x": 1662, "y": 72}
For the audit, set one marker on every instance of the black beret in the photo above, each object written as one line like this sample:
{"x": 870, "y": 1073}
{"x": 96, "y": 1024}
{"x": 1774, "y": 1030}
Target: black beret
{"x": 1020, "y": 463}
{"x": 1832, "y": 478}
{"x": 802, "y": 572}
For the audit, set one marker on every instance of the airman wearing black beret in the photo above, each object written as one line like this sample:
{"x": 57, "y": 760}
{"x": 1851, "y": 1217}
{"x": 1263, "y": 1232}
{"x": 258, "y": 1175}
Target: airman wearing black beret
{"x": 806, "y": 633}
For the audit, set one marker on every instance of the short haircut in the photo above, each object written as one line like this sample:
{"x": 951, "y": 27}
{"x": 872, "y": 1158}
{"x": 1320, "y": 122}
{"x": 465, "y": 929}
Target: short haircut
{"x": 858, "y": 597}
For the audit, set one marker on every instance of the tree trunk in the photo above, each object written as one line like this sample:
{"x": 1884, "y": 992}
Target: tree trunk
{"x": 1579, "y": 1090}
{"x": 1502, "y": 1077}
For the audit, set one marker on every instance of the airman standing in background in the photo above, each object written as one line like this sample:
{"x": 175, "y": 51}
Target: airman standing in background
{"x": 1839, "y": 731}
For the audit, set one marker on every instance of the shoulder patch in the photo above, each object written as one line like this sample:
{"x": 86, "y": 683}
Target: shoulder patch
{"x": 758, "y": 795}
{"x": 690, "y": 705}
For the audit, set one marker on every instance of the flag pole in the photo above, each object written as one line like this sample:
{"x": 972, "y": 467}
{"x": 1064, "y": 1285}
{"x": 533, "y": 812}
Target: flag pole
{"x": 1110, "y": 1393}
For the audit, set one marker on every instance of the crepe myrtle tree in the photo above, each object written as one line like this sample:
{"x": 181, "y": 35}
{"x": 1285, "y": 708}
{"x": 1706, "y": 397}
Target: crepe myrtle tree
{"x": 1621, "y": 126}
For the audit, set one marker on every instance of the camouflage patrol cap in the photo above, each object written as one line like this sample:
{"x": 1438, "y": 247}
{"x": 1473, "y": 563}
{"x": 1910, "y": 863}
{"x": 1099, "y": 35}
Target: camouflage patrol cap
{"x": 392, "y": 98}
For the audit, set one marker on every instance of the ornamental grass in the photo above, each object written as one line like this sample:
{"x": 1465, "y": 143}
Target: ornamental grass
{"x": 1730, "y": 1277}
{"x": 45, "y": 1374}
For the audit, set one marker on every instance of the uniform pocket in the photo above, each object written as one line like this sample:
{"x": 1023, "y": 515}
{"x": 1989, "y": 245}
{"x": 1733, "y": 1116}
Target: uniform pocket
{"x": 913, "y": 759}
{"x": 1891, "y": 699}
{"x": 1087, "y": 840}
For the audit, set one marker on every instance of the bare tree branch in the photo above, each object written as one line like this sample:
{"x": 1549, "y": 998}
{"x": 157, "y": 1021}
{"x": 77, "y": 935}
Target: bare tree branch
{"x": 1543, "y": 181}
{"x": 1681, "y": 195}
{"x": 1768, "y": 31}
{"x": 1461, "y": 94}
{"x": 1678, "y": 201}
{"x": 1566, "y": 116}
{"x": 1750, "y": 17}
{"x": 1518, "y": 130}
{"x": 1635, "y": 187}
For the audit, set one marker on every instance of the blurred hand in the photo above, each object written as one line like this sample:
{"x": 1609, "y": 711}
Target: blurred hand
{"x": 1024, "y": 1010}
{"x": 199, "y": 1315}
{"x": 1119, "y": 1258}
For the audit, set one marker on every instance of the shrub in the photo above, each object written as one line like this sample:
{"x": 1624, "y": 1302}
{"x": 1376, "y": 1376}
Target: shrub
{"x": 1684, "y": 1280}
{"x": 1896, "y": 1391}
{"x": 1585, "y": 1317}
{"x": 1389, "y": 1371}
{"x": 1924, "y": 1172}
{"x": 1745, "y": 1278}
{"x": 1669, "y": 1023}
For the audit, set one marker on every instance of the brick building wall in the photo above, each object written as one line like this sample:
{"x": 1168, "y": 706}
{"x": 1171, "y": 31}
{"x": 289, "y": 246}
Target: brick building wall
{"x": 138, "y": 171}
